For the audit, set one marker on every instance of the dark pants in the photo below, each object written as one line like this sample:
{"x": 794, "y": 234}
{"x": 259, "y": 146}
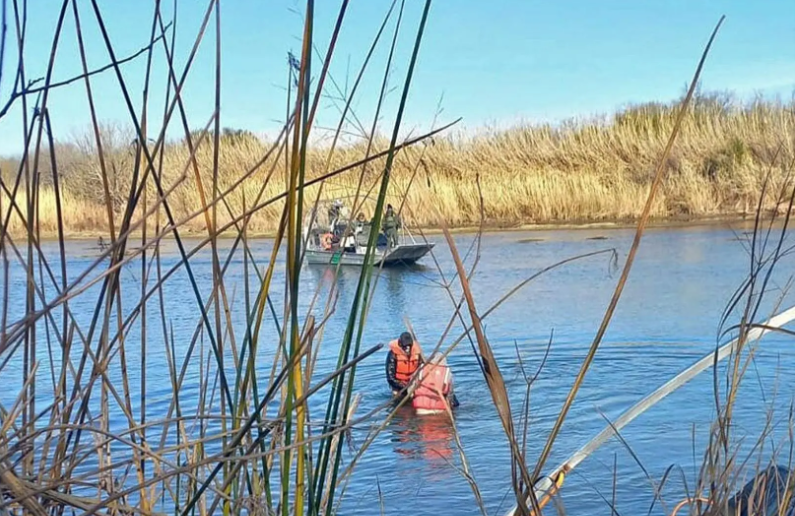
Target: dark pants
{"x": 399, "y": 395}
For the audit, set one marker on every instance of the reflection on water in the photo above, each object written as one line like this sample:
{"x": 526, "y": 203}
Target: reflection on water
{"x": 429, "y": 438}
{"x": 401, "y": 283}
{"x": 396, "y": 290}
{"x": 667, "y": 319}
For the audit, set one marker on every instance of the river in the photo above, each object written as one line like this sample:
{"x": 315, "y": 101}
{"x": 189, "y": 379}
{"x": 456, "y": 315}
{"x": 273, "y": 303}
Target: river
{"x": 668, "y": 318}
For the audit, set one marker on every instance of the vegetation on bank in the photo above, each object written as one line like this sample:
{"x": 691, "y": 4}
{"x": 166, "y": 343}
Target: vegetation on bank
{"x": 598, "y": 169}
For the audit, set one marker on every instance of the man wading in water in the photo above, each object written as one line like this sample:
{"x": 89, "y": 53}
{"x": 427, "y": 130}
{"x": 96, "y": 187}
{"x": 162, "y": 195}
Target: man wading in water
{"x": 402, "y": 361}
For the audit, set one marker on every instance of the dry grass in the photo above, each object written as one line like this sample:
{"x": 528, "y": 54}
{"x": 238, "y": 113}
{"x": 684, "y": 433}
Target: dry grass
{"x": 248, "y": 446}
{"x": 596, "y": 170}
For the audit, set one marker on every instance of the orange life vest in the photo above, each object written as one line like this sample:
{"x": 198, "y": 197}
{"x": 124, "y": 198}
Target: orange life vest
{"x": 432, "y": 390}
{"x": 325, "y": 241}
{"x": 406, "y": 364}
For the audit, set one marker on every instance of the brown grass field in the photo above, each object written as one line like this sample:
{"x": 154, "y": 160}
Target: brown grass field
{"x": 590, "y": 171}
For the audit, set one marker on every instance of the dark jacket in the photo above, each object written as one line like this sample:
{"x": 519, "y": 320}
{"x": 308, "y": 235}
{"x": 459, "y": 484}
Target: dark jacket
{"x": 391, "y": 368}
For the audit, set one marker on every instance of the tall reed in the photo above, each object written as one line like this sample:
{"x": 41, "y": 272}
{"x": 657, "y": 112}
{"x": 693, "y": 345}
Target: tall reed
{"x": 245, "y": 442}
{"x": 79, "y": 338}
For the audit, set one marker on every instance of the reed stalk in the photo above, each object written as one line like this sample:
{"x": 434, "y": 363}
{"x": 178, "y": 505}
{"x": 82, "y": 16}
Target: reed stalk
{"x": 225, "y": 449}
{"x": 241, "y": 432}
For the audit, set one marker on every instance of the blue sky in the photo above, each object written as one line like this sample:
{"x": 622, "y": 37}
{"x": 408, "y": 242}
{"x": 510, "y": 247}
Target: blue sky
{"x": 493, "y": 62}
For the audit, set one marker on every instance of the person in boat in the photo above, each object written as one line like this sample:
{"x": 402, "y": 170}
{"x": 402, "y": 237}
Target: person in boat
{"x": 360, "y": 222}
{"x": 334, "y": 213}
{"x": 390, "y": 226}
{"x": 359, "y": 232}
{"x": 349, "y": 244}
{"x": 434, "y": 391}
{"x": 402, "y": 361}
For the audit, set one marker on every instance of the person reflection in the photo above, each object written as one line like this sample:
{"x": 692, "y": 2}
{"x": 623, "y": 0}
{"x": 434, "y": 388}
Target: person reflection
{"x": 429, "y": 438}
{"x": 396, "y": 290}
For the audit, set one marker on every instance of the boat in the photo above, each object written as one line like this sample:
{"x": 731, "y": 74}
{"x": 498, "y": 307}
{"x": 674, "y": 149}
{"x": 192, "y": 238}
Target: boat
{"x": 332, "y": 237}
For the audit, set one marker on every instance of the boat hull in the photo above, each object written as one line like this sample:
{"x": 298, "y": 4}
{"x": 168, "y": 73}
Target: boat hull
{"x": 401, "y": 255}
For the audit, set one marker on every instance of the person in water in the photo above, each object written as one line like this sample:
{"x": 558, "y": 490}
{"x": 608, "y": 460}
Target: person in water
{"x": 402, "y": 361}
{"x": 434, "y": 392}
{"x": 390, "y": 226}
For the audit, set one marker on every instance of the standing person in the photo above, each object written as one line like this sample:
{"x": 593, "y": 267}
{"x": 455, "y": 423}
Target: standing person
{"x": 402, "y": 361}
{"x": 390, "y": 226}
{"x": 360, "y": 221}
{"x": 334, "y": 212}
{"x": 358, "y": 230}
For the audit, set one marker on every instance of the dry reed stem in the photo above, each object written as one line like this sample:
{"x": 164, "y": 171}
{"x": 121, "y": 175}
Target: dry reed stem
{"x": 658, "y": 177}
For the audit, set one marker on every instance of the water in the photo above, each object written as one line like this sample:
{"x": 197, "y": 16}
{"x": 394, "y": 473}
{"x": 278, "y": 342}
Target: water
{"x": 667, "y": 318}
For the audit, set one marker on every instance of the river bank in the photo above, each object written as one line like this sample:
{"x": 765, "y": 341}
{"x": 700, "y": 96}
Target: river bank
{"x": 737, "y": 222}
{"x": 592, "y": 173}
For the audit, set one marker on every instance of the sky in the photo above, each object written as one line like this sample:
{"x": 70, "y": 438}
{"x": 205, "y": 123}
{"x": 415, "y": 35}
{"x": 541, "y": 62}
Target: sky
{"x": 493, "y": 63}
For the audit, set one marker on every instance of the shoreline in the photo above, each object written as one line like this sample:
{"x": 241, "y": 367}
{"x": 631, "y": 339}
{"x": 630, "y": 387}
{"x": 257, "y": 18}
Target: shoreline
{"x": 674, "y": 222}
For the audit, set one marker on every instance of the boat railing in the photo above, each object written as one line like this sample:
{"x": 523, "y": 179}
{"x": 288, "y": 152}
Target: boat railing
{"x": 405, "y": 231}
